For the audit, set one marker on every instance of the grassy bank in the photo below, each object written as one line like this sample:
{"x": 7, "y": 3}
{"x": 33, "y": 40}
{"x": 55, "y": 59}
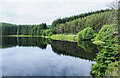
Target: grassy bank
{"x": 61, "y": 37}
{"x": 69, "y": 37}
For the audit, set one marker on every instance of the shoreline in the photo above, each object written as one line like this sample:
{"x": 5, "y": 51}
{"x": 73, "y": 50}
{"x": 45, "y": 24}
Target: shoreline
{"x": 61, "y": 37}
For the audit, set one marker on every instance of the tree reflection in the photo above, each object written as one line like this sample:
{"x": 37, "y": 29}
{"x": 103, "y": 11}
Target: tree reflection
{"x": 25, "y": 42}
{"x": 84, "y": 49}
{"x": 72, "y": 49}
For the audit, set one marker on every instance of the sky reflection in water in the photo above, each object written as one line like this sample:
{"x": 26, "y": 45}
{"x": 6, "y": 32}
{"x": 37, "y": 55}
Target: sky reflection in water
{"x": 33, "y": 61}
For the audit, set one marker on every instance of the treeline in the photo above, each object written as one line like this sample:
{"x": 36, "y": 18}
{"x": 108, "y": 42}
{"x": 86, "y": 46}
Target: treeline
{"x": 67, "y": 19}
{"x": 96, "y": 21}
{"x": 31, "y": 29}
{"x": 9, "y": 29}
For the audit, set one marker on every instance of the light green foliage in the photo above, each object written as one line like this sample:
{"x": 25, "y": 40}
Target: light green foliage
{"x": 107, "y": 33}
{"x": 99, "y": 42}
{"x": 106, "y": 57}
{"x": 113, "y": 69}
{"x": 48, "y": 32}
{"x": 87, "y": 33}
{"x": 80, "y": 35}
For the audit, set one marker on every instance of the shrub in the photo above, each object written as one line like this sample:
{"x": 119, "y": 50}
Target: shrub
{"x": 47, "y": 32}
{"x": 50, "y": 34}
{"x": 80, "y": 35}
{"x": 106, "y": 60}
{"x": 43, "y": 33}
{"x": 87, "y": 33}
{"x": 107, "y": 33}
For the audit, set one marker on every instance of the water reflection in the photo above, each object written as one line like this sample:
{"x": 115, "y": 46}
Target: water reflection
{"x": 72, "y": 49}
{"x": 24, "y": 41}
{"x": 83, "y": 49}
{"x": 45, "y": 57}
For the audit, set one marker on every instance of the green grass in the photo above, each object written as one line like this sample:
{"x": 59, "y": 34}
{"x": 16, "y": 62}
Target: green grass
{"x": 62, "y": 37}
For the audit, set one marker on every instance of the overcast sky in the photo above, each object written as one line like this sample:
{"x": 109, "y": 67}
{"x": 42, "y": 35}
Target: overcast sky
{"x": 38, "y": 11}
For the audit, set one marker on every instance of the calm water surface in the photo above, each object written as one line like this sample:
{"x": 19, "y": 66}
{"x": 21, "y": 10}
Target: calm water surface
{"x": 46, "y": 57}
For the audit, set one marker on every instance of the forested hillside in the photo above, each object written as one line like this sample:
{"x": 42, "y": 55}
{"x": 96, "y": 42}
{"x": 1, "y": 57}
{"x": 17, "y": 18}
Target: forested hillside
{"x": 67, "y": 19}
{"x": 68, "y": 25}
{"x": 96, "y": 21}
